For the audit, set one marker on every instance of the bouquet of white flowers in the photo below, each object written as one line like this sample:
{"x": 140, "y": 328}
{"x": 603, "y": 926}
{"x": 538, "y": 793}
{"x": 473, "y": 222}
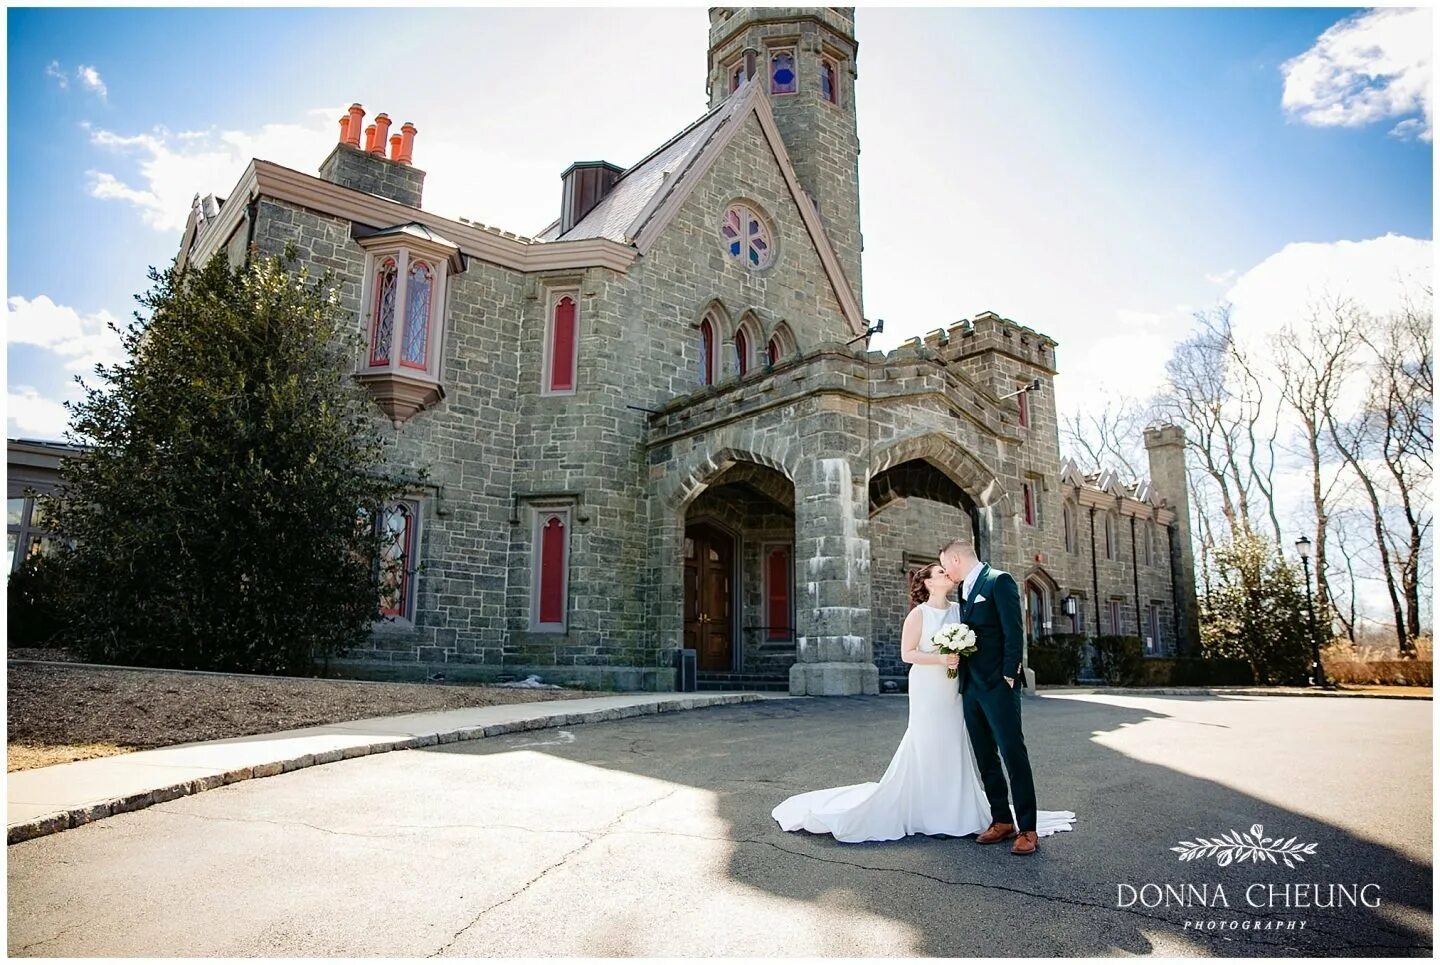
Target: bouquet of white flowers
{"x": 954, "y": 638}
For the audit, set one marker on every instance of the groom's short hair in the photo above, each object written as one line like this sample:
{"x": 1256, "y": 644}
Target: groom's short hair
{"x": 960, "y": 544}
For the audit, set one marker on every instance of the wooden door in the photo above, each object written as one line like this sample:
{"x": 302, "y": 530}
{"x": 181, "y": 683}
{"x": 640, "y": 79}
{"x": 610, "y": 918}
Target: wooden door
{"x": 709, "y": 570}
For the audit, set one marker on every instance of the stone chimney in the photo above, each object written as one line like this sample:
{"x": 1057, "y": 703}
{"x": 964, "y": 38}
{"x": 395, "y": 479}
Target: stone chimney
{"x": 1165, "y": 448}
{"x": 585, "y": 185}
{"x": 366, "y": 167}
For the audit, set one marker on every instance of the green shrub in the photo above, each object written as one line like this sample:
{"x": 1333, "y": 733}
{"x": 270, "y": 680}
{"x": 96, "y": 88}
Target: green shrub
{"x": 35, "y": 614}
{"x": 1056, "y": 659}
{"x": 1118, "y": 660}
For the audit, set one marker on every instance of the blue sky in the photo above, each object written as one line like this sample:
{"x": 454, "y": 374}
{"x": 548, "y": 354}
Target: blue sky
{"x": 1096, "y": 174}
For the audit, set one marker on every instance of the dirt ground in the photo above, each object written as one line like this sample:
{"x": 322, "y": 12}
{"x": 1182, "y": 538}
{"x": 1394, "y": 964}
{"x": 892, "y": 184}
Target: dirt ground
{"x": 57, "y": 714}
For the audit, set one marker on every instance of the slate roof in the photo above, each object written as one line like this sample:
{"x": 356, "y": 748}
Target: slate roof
{"x": 655, "y": 174}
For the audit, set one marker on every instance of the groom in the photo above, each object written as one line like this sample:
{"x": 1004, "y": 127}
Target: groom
{"x": 990, "y": 695}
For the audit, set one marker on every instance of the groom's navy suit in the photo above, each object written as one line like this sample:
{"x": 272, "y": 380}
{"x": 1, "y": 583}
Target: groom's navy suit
{"x": 992, "y": 707}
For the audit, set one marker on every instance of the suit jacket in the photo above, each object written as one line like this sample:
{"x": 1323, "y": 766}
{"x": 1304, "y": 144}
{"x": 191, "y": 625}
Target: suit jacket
{"x": 999, "y": 630}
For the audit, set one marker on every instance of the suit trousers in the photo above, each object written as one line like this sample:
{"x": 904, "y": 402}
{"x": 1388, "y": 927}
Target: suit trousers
{"x": 992, "y": 716}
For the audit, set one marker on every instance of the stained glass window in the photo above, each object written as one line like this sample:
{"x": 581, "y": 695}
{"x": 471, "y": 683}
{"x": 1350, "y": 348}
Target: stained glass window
{"x": 782, "y": 72}
{"x": 418, "y": 288}
{"x": 827, "y": 81}
{"x": 382, "y": 328}
{"x": 746, "y": 236}
{"x": 396, "y": 532}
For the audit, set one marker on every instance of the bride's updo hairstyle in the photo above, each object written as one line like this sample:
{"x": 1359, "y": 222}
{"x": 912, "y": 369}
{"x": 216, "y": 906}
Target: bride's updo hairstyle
{"x": 919, "y": 593}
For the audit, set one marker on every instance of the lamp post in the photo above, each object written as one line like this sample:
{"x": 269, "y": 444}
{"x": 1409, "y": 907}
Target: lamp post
{"x": 1302, "y": 546}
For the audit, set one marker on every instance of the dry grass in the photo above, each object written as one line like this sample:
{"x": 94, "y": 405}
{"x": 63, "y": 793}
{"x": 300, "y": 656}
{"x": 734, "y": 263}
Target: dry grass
{"x": 1380, "y": 664}
{"x": 58, "y": 713}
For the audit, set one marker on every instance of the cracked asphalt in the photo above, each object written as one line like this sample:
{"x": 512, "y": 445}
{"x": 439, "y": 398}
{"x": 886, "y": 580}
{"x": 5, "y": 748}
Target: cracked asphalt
{"x": 652, "y": 836}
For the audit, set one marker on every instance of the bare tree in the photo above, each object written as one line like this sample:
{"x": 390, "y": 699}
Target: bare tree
{"x": 1209, "y": 394}
{"x": 1311, "y": 363}
{"x": 1113, "y": 437}
{"x": 1360, "y": 440}
{"x": 1397, "y": 421}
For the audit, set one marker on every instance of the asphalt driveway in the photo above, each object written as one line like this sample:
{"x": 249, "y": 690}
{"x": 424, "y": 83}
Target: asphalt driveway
{"x": 652, "y": 836}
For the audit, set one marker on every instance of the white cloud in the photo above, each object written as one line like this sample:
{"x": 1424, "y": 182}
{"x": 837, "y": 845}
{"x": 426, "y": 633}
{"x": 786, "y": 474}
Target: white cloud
{"x": 173, "y": 167}
{"x": 54, "y": 70}
{"x": 30, "y": 414}
{"x": 89, "y": 79}
{"x": 1369, "y": 67}
{"x": 1284, "y": 288}
{"x": 79, "y": 341}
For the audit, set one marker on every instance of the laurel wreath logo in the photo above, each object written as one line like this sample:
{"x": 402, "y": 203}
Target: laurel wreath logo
{"x": 1254, "y": 846}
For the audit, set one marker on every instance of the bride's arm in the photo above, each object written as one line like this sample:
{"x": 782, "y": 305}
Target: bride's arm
{"x": 910, "y": 651}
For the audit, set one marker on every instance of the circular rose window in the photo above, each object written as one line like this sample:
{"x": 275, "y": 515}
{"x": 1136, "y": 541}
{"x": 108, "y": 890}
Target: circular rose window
{"x": 747, "y": 238}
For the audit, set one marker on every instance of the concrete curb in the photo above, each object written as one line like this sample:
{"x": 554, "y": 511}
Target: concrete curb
{"x": 1225, "y": 692}
{"x": 74, "y": 816}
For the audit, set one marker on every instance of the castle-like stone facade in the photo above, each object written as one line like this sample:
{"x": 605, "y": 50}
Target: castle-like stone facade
{"x": 654, "y": 426}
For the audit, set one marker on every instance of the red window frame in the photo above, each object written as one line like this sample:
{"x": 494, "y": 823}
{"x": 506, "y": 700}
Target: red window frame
{"x": 1029, "y": 494}
{"x": 772, "y": 351}
{"x": 552, "y": 547}
{"x": 742, "y": 351}
{"x": 388, "y": 266}
{"x": 828, "y": 68}
{"x": 562, "y": 345}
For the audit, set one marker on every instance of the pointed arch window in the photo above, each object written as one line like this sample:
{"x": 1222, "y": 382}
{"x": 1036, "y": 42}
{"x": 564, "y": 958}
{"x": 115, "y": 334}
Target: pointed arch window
{"x": 737, "y": 76}
{"x": 828, "y": 87}
{"x": 747, "y": 236}
{"x": 772, "y": 351}
{"x": 707, "y": 352}
{"x": 1109, "y": 536}
{"x": 782, "y": 72}
{"x": 562, "y": 335}
{"x": 418, "y": 290}
{"x": 382, "y": 322}
{"x": 742, "y": 352}
{"x": 551, "y": 570}
{"x": 1067, "y": 519}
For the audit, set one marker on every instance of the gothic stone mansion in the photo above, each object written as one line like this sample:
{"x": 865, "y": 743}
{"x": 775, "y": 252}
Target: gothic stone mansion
{"x": 654, "y": 425}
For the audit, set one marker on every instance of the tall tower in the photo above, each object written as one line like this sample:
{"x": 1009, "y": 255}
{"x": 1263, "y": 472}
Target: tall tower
{"x": 805, "y": 57}
{"x": 1165, "y": 447}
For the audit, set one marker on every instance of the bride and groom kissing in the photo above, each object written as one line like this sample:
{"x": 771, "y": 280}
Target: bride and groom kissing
{"x": 945, "y": 777}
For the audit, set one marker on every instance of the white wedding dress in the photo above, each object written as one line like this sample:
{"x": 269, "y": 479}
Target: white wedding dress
{"x": 932, "y": 785}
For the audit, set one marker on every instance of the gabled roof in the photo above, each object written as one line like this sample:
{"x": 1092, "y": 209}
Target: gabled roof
{"x": 632, "y": 193}
{"x": 649, "y": 194}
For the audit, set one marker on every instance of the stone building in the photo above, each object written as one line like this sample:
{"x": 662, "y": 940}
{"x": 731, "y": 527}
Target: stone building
{"x": 654, "y": 425}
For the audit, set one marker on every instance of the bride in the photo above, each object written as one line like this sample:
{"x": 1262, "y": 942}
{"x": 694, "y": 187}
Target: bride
{"x": 932, "y": 785}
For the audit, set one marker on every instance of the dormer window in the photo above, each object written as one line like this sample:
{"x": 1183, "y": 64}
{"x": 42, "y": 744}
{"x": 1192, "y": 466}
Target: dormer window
{"x": 829, "y": 90}
{"x": 782, "y": 72}
{"x": 406, "y": 269}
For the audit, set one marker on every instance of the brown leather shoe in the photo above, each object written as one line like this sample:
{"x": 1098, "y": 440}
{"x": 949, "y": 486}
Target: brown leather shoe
{"x": 998, "y": 831}
{"x": 1026, "y": 843}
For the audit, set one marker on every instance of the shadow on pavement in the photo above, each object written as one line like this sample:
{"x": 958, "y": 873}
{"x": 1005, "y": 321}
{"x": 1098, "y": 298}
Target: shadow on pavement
{"x": 962, "y": 899}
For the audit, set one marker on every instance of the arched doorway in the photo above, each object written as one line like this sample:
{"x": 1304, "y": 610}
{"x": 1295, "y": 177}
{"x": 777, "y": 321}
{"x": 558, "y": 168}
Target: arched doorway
{"x": 1037, "y": 614}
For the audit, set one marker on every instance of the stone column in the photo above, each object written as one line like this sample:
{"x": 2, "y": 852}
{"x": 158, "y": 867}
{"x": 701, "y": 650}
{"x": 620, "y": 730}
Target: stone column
{"x": 1165, "y": 447}
{"x": 832, "y": 581}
